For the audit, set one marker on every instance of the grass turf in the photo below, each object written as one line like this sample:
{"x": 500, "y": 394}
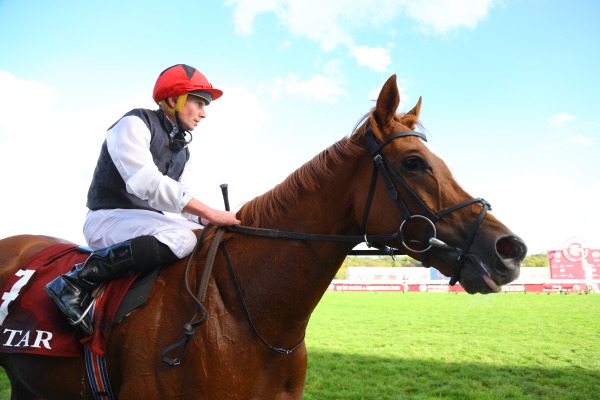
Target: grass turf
{"x": 453, "y": 346}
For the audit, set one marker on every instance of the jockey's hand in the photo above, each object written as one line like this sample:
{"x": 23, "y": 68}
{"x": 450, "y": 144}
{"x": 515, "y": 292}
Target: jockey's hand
{"x": 221, "y": 218}
{"x": 209, "y": 215}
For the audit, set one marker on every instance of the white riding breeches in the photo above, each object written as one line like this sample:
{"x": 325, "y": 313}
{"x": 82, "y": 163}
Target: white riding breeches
{"x": 104, "y": 228}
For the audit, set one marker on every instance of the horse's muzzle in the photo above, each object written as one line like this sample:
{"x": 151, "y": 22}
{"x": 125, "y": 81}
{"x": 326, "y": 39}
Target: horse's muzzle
{"x": 478, "y": 276}
{"x": 511, "y": 250}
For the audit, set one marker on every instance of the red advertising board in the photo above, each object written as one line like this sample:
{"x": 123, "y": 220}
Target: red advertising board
{"x": 593, "y": 260}
{"x": 575, "y": 261}
{"x": 445, "y": 288}
{"x": 563, "y": 268}
{"x": 392, "y": 287}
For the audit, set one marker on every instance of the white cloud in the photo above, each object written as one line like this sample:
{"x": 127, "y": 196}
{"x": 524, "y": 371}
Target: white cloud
{"x": 286, "y": 44}
{"x": 442, "y": 16}
{"x": 39, "y": 153}
{"x": 544, "y": 229}
{"x": 332, "y": 22}
{"x": 375, "y": 58}
{"x": 299, "y": 17}
{"x": 237, "y": 104}
{"x": 246, "y": 11}
{"x": 560, "y": 120}
{"x": 16, "y": 99}
{"x": 333, "y": 67}
{"x": 319, "y": 87}
{"x": 579, "y": 139}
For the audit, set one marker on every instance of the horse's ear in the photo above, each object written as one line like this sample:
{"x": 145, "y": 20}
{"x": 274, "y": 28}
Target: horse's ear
{"x": 387, "y": 102}
{"x": 414, "y": 112}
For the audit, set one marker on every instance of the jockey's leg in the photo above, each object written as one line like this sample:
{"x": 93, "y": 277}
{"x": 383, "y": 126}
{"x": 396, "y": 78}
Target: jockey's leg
{"x": 72, "y": 291}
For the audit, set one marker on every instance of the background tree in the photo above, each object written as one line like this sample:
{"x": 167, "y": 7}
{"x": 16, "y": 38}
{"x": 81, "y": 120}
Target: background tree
{"x": 536, "y": 260}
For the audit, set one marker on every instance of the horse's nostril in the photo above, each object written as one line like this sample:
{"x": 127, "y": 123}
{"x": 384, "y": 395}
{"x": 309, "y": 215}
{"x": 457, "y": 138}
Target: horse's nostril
{"x": 511, "y": 247}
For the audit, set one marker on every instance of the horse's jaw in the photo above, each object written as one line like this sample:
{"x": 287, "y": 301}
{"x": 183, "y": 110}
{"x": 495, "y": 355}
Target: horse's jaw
{"x": 479, "y": 276}
{"x": 474, "y": 281}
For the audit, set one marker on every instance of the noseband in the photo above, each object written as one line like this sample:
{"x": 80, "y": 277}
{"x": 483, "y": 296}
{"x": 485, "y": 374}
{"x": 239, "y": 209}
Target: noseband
{"x": 391, "y": 178}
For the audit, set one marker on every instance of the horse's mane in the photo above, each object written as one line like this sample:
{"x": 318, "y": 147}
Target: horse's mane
{"x": 265, "y": 209}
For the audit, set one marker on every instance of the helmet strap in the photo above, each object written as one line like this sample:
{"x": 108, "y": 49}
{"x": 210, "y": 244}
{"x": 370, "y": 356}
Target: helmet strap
{"x": 178, "y": 107}
{"x": 174, "y": 112}
{"x": 178, "y": 142}
{"x": 180, "y": 102}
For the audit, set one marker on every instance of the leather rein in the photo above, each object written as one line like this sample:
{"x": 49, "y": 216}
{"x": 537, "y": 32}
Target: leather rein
{"x": 390, "y": 178}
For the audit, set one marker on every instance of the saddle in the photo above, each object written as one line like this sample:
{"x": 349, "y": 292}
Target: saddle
{"x": 30, "y": 322}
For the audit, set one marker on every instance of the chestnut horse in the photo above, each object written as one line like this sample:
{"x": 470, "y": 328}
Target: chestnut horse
{"x": 340, "y": 197}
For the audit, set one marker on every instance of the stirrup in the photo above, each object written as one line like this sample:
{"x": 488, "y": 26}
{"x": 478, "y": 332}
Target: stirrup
{"x": 86, "y": 313}
{"x": 83, "y": 315}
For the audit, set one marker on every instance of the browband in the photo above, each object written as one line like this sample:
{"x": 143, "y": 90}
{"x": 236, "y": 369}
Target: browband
{"x": 393, "y": 136}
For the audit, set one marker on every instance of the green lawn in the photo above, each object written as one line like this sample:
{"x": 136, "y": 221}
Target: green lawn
{"x": 454, "y": 346}
{"x": 451, "y": 346}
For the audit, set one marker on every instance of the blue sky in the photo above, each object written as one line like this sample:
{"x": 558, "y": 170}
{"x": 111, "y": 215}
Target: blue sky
{"x": 509, "y": 96}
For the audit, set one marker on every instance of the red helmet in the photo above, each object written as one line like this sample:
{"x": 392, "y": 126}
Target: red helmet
{"x": 180, "y": 79}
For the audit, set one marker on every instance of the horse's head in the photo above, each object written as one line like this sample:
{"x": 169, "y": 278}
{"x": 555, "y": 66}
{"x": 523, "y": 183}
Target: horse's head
{"x": 440, "y": 224}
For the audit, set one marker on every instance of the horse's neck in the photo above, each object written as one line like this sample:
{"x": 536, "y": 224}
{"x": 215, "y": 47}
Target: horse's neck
{"x": 289, "y": 277}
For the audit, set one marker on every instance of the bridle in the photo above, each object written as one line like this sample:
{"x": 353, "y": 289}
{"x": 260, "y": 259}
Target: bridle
{"x": 391, "y": 178}
{"x": 382, "y": 166}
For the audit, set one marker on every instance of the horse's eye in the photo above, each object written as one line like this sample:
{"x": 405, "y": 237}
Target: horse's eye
{"x": 413, "y": 163}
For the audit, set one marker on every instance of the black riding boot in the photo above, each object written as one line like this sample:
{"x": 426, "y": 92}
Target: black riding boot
{"x": 72, "y": 291}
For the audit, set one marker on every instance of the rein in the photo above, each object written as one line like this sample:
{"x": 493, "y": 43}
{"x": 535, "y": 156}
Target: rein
{"x": 385, "y": 171}
{"x": 390, "y": 178}
{"x": 382, "y": 167}
{"x": 189, "y": 327}
{"x": 239, "y": 291}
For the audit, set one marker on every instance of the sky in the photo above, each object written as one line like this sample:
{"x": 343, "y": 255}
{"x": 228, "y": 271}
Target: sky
{"x": 510, "y": 97}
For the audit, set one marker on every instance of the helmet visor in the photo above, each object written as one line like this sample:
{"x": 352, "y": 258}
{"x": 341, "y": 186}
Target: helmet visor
{"x": 207, "y": 97}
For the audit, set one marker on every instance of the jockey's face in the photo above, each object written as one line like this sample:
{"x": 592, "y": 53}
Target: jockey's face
{"x": 192, "y": 112}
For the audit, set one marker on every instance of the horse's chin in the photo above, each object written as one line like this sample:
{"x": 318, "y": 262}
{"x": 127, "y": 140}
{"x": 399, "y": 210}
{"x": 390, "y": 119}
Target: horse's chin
{"x": 474, "y": 281}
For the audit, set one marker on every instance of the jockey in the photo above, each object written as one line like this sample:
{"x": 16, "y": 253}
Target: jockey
{"x": 140, "y": 174}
